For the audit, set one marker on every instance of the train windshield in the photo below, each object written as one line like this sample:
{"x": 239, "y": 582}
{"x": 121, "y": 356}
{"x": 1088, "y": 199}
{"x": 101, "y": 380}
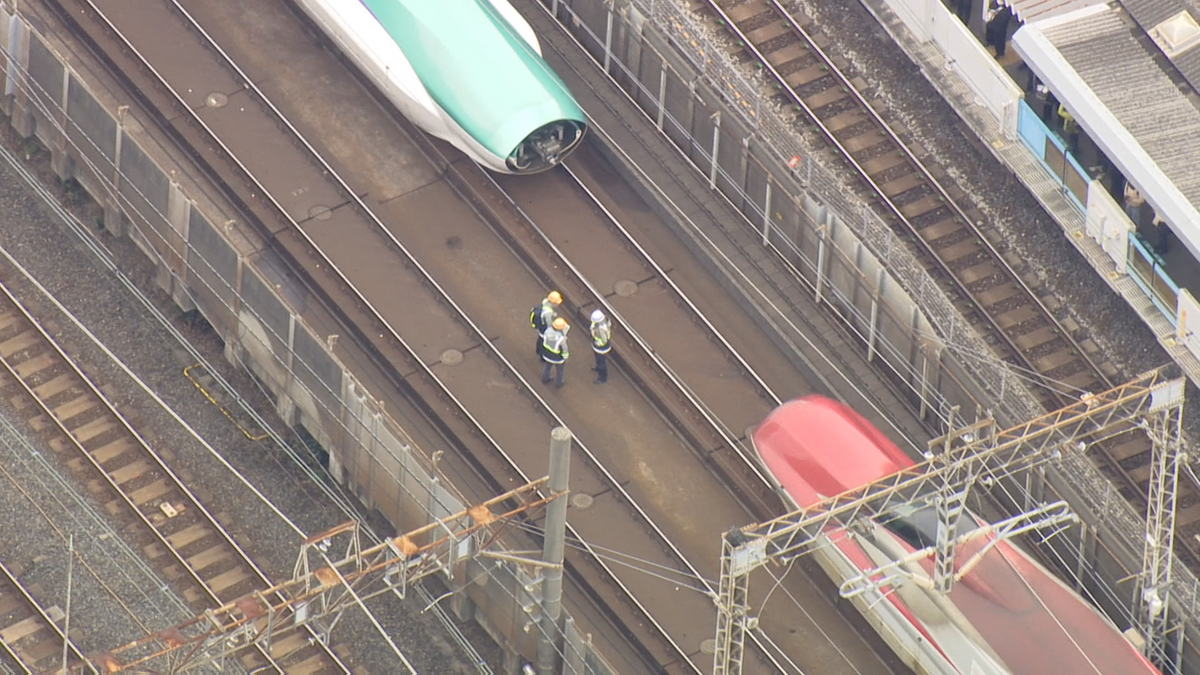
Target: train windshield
{"x": 917, "y": 524}
{"x": 546, "y": 147}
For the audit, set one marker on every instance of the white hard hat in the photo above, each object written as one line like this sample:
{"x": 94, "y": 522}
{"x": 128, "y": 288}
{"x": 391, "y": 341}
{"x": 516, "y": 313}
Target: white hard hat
{"x": 597, "y": 315}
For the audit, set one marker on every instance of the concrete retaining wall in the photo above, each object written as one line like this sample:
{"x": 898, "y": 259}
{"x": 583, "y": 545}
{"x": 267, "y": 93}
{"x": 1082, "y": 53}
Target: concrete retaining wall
{"x": 686, "y": 83}
{"x": 208, "y": 259}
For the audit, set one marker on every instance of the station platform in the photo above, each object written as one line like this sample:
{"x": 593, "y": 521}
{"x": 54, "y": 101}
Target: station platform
{"x": 938, "y": 69}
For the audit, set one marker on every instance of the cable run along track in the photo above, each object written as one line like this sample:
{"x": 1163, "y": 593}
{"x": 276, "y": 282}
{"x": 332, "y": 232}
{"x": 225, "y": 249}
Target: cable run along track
{"x": 647, "y": 544}
{"x": 184, "y": 541}
{"x": 908, "y": 195}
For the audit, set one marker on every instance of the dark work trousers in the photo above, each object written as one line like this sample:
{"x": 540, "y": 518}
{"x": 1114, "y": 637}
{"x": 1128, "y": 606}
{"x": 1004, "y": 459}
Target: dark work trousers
{"x": 558, "y": 379}
{"x": 601, "y": 367}
{"x": 997, "y": 31}
{"x": 964, "y": 11}
{"x": 1049, "y": 109}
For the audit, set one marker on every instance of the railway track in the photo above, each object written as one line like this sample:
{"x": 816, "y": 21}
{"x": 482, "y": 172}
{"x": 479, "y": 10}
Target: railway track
{"x": 711, "y": 475}
{"x": 183, "y": 540}
{"x": 711, "y": 438}
{"x": 720, "y": 447}
{"x": 31, "y": 635}
{"x": 946, "y": 235}
{"x": 998, "y": 302}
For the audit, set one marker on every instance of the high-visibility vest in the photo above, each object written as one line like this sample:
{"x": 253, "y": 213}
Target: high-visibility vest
{"x": 543, "y": 315}
{"x": 554, "y": 346}
{"x": 1068, "y": 120}
{"x": 602, "y": 336}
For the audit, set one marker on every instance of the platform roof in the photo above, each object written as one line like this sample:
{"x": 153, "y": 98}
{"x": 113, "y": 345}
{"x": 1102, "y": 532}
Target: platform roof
{"x": 1128, "y": 98}
{"x": 1031, "y": 10}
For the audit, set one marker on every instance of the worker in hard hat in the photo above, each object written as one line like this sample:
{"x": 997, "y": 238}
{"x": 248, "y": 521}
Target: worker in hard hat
{"x": 601, "y": 330}
{"x": 542, "y": 315}
{"x": 554, "y": 351}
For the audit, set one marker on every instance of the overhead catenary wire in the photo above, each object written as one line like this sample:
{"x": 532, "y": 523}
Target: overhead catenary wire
{"x": 1094, "y": 581}
{"x": 87, "y": 522}
{"x": 634, "y": 504}
{"x": 333, "y": 490}
{"x": 650, "y": 568}
{"x": 795, "y": 601}
{"x": 1034, "y": 379}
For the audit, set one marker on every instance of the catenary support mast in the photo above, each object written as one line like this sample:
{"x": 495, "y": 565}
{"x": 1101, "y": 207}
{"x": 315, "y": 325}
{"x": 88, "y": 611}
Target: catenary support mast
{"x": 1164, "y": 426}
{"x": 320, "y": 592}
{"x": 990, "y": 454}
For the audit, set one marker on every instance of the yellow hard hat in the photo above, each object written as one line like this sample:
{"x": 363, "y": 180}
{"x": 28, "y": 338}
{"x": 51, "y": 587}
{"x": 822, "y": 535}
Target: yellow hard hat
{"x": 555, "y": 297}
{"x": 559, "y": 323}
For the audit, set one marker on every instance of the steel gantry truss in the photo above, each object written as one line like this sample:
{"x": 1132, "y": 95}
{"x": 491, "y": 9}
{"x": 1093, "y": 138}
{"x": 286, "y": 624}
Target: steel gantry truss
{"x": 321, "y": 590}
{"x": 1164, "y": 425}
{"x": 893, "y": 574}
{"x": 980, "y": 452}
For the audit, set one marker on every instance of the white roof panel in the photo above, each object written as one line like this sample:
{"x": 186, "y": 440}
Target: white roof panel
{"x": 1030, "y": 10}
{"x": 1103, "y": 50}
{"x": 1103, "y": 67}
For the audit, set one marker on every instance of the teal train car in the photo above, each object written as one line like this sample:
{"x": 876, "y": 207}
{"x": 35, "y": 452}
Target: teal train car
{"x": 467, "y": 71}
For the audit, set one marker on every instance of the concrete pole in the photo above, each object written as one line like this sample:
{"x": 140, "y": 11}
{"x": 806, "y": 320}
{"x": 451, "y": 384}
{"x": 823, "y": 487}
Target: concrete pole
{"x": 716, "y": 152}
{"x": 67, "y": 613}
{"x": 550, "y": 635}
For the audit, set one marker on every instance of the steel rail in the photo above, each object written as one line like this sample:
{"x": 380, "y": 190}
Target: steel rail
{"x": 730, "y": 438}
{"x": 1121, "y": 474}
{"x": 197, "y": 506}
{"x": 465, "y": 318}
{"x": 759, "y": 635}
{"x": 6, "y": 576}
{"x": 729, "y": 435}
{"x": 895, "y": 139}
{"x": 462, "y": 315}
{"x": 98, "y": 249}
{"x": 565, "y": 263}
{"x": 886, "y": 200}
{"x": 483, "y": 339}
{"x": 683, "y": 217}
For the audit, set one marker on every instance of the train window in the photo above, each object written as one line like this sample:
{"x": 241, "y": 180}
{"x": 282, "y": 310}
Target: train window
{"x": 917, "y": 525}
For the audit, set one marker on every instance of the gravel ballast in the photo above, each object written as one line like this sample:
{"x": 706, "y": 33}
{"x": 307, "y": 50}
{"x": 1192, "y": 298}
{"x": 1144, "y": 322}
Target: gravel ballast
{"x": 38, "y": 240}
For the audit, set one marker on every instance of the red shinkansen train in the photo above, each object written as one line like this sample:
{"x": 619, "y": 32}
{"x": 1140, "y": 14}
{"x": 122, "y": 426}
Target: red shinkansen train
{"x": 1006, "y": 613}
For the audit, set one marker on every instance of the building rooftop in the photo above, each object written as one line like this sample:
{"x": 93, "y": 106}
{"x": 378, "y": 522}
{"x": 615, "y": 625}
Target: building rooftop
{"x": 1119, "y": 84}
{"x": 1031, "y": 10}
